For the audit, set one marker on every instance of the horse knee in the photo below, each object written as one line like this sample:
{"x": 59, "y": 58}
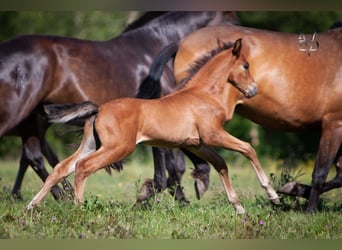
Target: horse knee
{"x": 248, "y": 151}
{"x": 32, "y": 152}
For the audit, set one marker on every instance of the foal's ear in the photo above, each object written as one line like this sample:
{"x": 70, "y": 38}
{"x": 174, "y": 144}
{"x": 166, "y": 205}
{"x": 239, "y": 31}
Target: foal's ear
{"x": 220, "y": 43}
{"x": 237, "y": 47}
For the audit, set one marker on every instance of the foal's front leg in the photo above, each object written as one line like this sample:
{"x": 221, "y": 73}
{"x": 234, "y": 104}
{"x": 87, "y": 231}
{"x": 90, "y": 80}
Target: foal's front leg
{"x": 221, "y": 138}
{"x": 219, "y": 164}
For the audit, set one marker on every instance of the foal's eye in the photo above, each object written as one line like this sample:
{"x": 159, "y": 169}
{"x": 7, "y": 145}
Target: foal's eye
{"x": 246, "y": 66}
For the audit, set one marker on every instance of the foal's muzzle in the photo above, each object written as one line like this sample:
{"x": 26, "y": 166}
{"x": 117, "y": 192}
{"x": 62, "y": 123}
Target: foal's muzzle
{"x": 252, "y": 90}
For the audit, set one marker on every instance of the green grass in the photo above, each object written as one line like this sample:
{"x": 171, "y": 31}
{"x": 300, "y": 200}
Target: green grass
{"x": 108, "y": 212}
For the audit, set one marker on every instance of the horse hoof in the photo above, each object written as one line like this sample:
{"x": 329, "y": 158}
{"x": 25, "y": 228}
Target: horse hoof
{"x": 239, "y": 209}
{"x": 199, "y": 188}
{"x": 146, "y": 191}
{"x": 30, "y": 207}
{"x": 184, "y": 201}
{"x": 287, "y": 188}
{"x": 275, "y": 201}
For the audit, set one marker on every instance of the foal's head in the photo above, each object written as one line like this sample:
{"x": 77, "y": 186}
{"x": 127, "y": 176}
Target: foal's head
{"x": 239, "y": 75}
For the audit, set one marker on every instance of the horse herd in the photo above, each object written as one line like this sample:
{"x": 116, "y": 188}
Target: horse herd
{"x": 202, "y": 67}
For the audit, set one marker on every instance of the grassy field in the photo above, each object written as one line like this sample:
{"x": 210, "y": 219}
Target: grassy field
{"x": 108, "y": 212}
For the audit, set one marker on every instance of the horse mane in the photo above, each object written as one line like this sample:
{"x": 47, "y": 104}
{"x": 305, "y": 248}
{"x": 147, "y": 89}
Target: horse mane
{"x": 199, "y": 63}
{"x": 142, "y": 20}
{"x": 336, "y": 24}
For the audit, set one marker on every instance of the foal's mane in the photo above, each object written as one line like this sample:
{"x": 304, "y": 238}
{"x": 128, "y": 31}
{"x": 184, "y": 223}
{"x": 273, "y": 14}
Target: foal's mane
{"x": 199, "y": 63}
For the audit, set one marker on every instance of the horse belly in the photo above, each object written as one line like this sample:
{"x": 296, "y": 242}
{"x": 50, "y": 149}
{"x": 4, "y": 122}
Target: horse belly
{"x": 166, "y": 127}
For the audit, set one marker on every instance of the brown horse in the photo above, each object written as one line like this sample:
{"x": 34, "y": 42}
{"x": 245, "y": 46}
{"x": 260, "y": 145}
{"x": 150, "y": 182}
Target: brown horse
{"x": 298, "y": 91}
{"x": 190, "y": 118}
{"x": 46, "y": 69}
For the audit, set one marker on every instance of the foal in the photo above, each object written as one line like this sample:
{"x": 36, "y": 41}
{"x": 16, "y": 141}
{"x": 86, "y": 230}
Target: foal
{"x": 191, "y": 118}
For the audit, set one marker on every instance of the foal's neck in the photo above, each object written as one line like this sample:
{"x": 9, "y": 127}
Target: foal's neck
{"x": 210, "y": 78}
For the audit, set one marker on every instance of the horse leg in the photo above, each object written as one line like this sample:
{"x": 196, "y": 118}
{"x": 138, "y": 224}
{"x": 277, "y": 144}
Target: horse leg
{"x": 175, "y": 165}
{"x": 16, "y": 191}
{"x": 302, "y": 190}
{"x": 51, "y": 157}
{"x": 220, "y": 166}
{"x": 104, "y": 156}
{"x": 221, "y": 138}
{"x": 201, "y": 173}
{"x": 329, "y": 145}
{"x": 336, "y": 182}
{"x": 165, "y": 159}
{"x": 159, "y": 182}
{"x": 53, "y": 161}
{"x": 67, "y": 166}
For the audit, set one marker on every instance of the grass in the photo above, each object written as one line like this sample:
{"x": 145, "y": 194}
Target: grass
{"x": 108, "y": 212}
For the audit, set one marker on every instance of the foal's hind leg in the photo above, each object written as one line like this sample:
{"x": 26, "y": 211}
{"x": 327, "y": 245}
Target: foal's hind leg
{"x": 67, "y": 166}
{"x": 220, "y": 138}
{"x": 219, "y": 164}
{"x": 53, "y": 161}
{"x": 97, "y": 160}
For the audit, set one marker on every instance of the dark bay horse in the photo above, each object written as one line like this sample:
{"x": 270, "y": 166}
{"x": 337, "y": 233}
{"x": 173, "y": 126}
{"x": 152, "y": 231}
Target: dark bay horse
{"x": 298, "y": 91}
{"x": 47, "y": 69}
{"x": 191, "y": 118}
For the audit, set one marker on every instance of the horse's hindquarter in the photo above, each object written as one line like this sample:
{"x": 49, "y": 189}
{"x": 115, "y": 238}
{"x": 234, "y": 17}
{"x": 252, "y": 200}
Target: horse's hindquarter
{"x": 295, "y": 89}
{"x": 22, "y": 72}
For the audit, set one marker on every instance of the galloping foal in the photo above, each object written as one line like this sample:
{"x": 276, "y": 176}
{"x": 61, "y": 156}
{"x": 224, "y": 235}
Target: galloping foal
{"x": 190, "y": 118}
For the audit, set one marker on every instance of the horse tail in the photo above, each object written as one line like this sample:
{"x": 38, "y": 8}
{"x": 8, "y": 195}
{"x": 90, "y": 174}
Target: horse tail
{"x": 150, "y": 88}
{"x": 75, "y": 113}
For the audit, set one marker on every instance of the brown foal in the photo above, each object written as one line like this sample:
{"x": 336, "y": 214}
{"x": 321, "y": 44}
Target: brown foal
{"x": 190, "y": 118}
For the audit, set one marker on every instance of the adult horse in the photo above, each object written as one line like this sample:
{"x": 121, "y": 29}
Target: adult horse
{"x": 298, "y": 90}
{"x": 191, "y": 118}
{"x": 47, "y": 69}
{"x": 32, "y": 132}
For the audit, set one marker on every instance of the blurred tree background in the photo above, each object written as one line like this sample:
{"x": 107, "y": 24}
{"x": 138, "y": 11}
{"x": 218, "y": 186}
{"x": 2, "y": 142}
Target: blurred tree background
{"x": 96, "y": 25}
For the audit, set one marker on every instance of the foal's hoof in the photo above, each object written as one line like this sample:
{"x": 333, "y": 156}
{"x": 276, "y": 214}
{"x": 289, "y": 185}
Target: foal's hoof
{"x": 239, "y": 209}
{"x": 275, "y": 201}
{"x": 30, "y": 207}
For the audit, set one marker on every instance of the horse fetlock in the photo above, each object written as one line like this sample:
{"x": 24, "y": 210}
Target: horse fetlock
{"x": 275, "y": 201}
{"x": 239, "y": 208}
{"x": 33, "y": 204}
{"x": 201, "y": 182}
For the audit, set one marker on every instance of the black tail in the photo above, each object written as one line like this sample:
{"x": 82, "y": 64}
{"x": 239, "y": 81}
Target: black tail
{"x": 150, "y": 88}
{"x": 75, "y": 113}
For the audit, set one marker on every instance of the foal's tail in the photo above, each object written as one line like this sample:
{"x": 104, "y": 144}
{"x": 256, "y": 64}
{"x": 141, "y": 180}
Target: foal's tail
{"x": 75, "y": 113}
{"x": 150, "y": 88}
